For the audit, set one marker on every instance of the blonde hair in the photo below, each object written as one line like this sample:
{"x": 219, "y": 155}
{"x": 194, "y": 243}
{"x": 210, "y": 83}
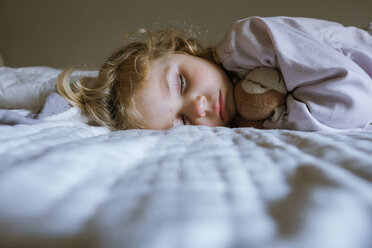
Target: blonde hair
{"x": 109, "y": 99}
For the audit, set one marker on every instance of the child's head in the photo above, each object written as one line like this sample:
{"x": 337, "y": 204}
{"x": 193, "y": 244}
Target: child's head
{"x": 180, "y": 89}
{"x": 164, "y": 81}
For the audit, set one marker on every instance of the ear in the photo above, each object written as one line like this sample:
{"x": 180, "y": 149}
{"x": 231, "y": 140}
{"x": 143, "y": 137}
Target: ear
{"x": 268, "y": 78}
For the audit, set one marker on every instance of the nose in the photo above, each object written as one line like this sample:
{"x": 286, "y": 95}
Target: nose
{"x": 198, "y": 106}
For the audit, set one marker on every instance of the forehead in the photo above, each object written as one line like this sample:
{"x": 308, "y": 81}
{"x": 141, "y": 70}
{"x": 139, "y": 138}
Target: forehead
{"x": 154, "y": 101}
{"x": 155, "y": 110}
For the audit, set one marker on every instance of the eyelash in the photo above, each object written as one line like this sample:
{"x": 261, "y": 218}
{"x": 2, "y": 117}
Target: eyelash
{"x": 182, "y": 91}
{"x": 182, "y": 84}
{"x": 183, "y": 120}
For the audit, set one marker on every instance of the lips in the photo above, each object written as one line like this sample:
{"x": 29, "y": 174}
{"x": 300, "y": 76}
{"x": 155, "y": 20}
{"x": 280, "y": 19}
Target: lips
{"x": 222, "y": 108}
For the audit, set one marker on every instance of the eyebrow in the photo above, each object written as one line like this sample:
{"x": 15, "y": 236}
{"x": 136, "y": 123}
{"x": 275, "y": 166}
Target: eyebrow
{"x": 165, "y": 82}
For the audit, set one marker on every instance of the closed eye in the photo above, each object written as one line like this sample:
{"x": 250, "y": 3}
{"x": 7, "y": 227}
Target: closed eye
{"x": 183, "y": 120}
{"x": 182, "y": 84}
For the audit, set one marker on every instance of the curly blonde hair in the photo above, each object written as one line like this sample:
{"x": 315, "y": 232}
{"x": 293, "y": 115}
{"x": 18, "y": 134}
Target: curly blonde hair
{"x": 109, "y": 99}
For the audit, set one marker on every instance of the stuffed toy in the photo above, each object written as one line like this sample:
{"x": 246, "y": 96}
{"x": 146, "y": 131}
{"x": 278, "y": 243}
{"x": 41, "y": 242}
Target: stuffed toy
{"x": 259, "y": 96}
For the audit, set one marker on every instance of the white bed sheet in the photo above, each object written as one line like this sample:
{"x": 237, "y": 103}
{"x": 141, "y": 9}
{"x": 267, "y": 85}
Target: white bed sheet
{"x": 66, "y": 184}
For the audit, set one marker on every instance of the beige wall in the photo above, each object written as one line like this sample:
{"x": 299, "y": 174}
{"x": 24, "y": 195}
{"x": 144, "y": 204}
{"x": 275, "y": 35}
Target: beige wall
{"x": 82, "y": 33}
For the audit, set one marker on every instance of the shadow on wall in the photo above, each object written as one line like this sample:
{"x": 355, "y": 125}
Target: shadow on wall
{"x": 1, "y": 61}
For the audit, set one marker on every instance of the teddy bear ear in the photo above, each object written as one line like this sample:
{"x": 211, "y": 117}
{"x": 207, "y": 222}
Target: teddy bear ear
{"x": 269, "y": 78}
{"x": 252, "y": 87}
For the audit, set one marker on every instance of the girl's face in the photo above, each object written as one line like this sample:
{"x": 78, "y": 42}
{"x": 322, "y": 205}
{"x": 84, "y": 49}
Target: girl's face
{"x": 182, "y": 89}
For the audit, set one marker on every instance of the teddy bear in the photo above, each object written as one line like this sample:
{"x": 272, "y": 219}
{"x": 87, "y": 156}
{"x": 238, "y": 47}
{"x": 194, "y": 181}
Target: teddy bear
{"x": 260, "y": 95}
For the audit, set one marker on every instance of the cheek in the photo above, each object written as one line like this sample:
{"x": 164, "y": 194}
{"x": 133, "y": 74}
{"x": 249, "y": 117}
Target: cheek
{"x": 205, "y": 79}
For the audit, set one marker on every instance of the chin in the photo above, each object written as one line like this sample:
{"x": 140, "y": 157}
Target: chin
{"x": 231, "y": 112}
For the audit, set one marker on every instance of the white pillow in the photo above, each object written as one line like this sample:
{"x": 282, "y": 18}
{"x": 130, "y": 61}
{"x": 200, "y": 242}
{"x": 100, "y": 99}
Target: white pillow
{"x": 28, "y": 87}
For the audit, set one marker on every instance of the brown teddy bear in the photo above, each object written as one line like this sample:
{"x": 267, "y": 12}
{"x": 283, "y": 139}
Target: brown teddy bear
{"x": 259, "y": 96}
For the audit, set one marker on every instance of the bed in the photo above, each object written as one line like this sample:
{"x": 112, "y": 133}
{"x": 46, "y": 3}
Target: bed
{"x": 64, "y": 183}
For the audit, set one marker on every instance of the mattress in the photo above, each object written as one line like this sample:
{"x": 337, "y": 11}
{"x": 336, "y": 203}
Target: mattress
{"x": 64, "y": 183}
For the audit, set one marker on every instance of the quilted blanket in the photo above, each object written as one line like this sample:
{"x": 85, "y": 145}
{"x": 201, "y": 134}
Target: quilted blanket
{"x": 64, "y": 183}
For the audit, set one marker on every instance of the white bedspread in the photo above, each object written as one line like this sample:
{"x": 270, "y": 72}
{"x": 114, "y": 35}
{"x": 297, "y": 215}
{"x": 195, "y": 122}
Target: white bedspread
{"x": 66, "y": 184}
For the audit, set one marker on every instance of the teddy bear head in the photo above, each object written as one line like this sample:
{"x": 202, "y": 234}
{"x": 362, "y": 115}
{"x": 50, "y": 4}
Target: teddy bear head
{"x": 260, "y": 93}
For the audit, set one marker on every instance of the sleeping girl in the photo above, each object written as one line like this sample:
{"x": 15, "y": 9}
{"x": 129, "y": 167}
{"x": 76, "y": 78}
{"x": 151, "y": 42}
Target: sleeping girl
{"x": 169, "y": 80}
